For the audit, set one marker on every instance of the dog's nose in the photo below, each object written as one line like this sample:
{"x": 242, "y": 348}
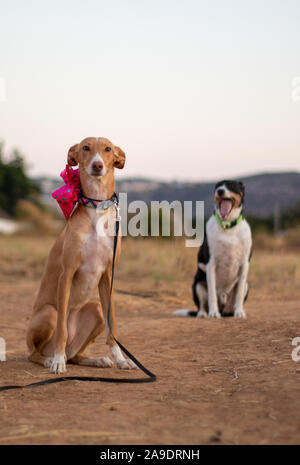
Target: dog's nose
{"x": 97, "y": 166}
{"x": 220, "y": 192}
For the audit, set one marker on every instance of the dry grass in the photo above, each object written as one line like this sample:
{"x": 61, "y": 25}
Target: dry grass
{"x": 288, "y": 240}
{"x": 35, "y": 220}
{"x": 225, "y": 381}
{"x": 23, "y": 256}
{"x": 147, "y": 263}
{"x": 272, "y": 272}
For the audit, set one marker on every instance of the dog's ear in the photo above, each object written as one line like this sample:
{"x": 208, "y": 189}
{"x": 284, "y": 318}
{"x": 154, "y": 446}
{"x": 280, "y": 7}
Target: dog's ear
{"x": 242, "y": 186}
{"x": 119, "y": 158}
{"x": 72, "y": 155}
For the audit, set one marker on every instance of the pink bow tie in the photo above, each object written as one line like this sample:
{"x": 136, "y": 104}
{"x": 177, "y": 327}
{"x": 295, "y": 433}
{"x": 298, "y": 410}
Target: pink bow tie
{"x": 67, "y": 196}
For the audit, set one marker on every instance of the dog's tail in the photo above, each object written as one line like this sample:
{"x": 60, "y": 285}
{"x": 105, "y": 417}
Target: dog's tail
{"x": 185, "y": 313}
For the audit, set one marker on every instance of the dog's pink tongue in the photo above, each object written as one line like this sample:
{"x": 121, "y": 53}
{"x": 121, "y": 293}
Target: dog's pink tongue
{"x": 225, "y": 207}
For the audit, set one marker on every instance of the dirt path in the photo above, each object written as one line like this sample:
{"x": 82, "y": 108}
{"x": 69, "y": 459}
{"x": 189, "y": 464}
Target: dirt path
{"x": 227, "y": 382}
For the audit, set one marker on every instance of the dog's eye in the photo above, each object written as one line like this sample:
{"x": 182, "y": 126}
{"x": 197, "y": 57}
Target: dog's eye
{"x": 107, "y": 149}
{"x": 86, "y": 148}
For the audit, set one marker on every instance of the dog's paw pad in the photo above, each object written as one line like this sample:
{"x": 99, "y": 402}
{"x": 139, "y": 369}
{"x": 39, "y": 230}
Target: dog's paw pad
{"x": 58, "y": 364}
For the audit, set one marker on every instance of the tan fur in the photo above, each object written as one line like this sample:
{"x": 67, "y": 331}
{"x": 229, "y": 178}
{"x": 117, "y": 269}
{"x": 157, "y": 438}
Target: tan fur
{"x": 64, "y": 320}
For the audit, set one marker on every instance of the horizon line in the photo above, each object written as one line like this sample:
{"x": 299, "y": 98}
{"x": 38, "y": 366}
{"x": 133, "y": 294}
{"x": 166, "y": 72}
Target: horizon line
{"x": 143, "y": 178}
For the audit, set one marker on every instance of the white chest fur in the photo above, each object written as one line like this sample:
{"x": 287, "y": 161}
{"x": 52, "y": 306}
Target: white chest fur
{"x": 228, "y": 249}
{"x": 96, "y": 254}
{"x": 97, "y": 244}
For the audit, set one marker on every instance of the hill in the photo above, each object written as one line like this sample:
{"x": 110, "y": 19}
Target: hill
{"x": 264, "y": 192}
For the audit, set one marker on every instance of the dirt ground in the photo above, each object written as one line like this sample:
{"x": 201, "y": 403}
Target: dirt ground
{"x": 219, "y": 381}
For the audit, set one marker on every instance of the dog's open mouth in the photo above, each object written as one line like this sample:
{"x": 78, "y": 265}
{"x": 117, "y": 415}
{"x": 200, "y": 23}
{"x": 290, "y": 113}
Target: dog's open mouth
{"x": 225, "y": 207}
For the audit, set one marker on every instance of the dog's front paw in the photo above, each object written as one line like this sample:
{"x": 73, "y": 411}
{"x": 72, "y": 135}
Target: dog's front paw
{"x": 239, "y": 313}
{"x": 201, "y": 314}
{"x": 126, "y": 364}
{"x": 58, "y": 364}
{"x": 119, "y": 359}
{"x": 214, "y": 313}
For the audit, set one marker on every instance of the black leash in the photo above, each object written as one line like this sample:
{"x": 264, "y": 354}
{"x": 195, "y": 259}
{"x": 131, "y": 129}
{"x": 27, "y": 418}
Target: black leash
{"x": 151, "y": 377}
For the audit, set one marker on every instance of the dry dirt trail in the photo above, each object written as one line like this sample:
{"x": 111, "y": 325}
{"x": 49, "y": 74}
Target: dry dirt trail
{"x": 219, "y": 381}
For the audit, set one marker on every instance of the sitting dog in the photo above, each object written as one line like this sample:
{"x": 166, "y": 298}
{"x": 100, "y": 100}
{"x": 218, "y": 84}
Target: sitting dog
{"x": 220, "y": 285}
{"x": 65, "y": 319}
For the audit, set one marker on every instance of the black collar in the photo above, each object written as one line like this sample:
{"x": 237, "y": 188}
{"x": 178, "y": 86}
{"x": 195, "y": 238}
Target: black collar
{"x": 99, "y": 204}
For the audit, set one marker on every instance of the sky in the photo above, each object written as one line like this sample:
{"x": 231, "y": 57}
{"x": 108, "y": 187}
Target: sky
{"x": 189, "y": 89}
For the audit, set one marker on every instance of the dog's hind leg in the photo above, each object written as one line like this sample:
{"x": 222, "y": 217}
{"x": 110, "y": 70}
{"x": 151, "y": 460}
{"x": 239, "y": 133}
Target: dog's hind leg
{"x": 40, "y": 332}
{"x": 83, "y": 328}
{"x": 200, "y": 291}
{"x": 200, "y": 300}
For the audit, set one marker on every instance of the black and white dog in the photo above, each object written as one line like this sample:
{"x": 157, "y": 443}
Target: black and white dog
{"x": 220, "y": 286}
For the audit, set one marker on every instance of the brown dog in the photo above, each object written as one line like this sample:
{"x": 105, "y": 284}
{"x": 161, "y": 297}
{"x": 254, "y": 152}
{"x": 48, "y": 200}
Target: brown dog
{"x": 65, "y": 320}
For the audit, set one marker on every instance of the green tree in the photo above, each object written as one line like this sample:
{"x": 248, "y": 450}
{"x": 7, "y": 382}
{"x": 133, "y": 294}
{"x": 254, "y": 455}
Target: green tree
{"x": 14, "y": 182}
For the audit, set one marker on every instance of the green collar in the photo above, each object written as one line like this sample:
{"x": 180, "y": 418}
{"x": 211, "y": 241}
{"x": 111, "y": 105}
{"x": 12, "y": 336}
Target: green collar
{"x": 228, "y": 224}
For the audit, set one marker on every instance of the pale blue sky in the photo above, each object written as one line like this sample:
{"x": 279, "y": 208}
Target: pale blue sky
{"x": 189, "y": 89}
